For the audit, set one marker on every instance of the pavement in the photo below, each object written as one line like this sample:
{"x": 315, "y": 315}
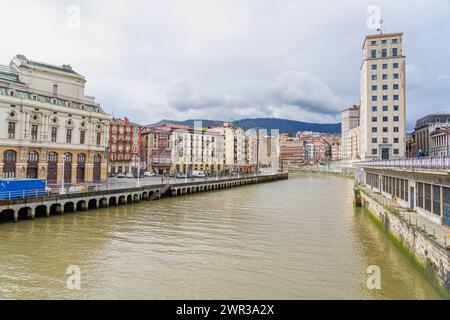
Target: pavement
{"x": 440, "y": 233}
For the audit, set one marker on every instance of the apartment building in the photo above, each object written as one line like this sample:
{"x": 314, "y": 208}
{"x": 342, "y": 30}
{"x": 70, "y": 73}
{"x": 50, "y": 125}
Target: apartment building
{"x": 349, "y": 121}
{"x": 124, "y": 146}
{"x": 383, "y": 99}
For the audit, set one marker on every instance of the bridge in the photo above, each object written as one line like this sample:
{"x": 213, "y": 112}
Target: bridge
{"x": 46, "y": 205}
{"x": 418, "y": 184}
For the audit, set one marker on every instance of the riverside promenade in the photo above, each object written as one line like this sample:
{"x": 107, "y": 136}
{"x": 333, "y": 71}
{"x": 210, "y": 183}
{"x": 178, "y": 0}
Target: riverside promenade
{"x": 29, "y": 208}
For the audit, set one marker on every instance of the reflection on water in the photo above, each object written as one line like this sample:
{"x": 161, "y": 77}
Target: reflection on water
{"x": 294, "y": 239}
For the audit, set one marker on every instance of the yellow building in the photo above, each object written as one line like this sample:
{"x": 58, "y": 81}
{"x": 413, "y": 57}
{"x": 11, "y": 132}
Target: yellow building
{"x": 50, "y": 126}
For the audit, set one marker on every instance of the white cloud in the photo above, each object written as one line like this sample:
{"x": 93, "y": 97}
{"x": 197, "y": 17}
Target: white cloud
{"x": 229, "y": 58}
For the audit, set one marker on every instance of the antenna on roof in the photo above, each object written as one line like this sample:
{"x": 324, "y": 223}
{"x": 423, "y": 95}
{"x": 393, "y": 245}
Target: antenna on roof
{"x": 380, "y": 29}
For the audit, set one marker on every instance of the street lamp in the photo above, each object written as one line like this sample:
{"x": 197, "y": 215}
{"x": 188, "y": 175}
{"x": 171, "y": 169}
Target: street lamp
{"x": 63, "y": 190}
{"x": 138, "y": 182}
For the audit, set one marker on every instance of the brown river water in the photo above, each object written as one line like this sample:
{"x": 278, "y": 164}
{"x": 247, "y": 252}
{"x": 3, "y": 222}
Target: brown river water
{"x": 294, "y": 239}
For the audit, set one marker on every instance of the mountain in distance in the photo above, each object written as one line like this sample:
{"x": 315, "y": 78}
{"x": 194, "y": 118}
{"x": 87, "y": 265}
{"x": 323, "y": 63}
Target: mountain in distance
{"x": 284, "y": 125}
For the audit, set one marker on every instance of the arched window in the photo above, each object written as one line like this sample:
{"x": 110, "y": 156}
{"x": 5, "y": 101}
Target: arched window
{"x": 52, "y": 157}
{"x": 52, "y": 168}
{"x": 81, "y": 161}
{"x": 32, "y": 165}
{"x": 68, "y": 168}
{"x": 33, "y": 156}
{"x": 9, "y": 164}
{"x": 81, "y": 158}
{"x": 97, "y": 167}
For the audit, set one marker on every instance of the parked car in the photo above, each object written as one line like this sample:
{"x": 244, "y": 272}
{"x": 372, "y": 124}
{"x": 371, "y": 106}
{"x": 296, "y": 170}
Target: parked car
{"x": 129, "y": 175}
{"x": 180, "y": 175}
{"x": 120, "y": 175}
{"x": 111, "y": 175}
{"x": 135, "y": 174}
{"x": 149, "y": 174}
{"x": 198, "y": 174}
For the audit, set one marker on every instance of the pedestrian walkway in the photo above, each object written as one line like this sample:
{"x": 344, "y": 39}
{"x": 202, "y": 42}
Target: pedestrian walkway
{"x": 439, "y": 233}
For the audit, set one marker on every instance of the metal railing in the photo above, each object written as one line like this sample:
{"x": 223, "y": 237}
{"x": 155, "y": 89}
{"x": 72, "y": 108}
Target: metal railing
{"x": 21, "y": 194}
{"x": 410, "y": 163}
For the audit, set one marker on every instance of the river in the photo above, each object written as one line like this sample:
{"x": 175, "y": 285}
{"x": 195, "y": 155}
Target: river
{"x": 295, "y": 239}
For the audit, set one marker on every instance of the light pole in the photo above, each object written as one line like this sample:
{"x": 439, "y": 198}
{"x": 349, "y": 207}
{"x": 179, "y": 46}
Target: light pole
{"x": 138, "y": 182}
{"x": 63, "y": 190}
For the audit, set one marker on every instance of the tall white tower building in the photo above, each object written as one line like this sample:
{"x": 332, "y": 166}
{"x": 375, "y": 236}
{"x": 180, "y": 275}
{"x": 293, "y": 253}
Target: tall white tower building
{"x": 383, "y": 99}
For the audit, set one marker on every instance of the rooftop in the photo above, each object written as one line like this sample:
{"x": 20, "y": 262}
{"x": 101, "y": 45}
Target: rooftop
{"x": 64, "y": 68}
{"x": 8, "y": 73}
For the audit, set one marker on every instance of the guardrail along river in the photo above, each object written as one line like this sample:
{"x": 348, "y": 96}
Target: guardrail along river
{"x": 293, "y": 239}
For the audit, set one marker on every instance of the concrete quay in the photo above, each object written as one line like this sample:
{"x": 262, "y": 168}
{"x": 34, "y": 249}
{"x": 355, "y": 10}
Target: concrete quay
{"x": 44, "y": 206}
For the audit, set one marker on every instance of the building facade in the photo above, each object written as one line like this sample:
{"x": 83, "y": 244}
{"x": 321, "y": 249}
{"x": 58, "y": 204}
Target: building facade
{"x": 421, "y": 139}
{"x": 50, "y": 125}
{"x": 292, "y": 152}
{"x": 124, "y": 146}
{"x": 157, "y": 149}
{"x": 240, "y": 148}
{"x": 349, "y": 121}
{"x": 440, "y": 141}
{"x": 383, "y": 99}
{"x": 197, "y": 149}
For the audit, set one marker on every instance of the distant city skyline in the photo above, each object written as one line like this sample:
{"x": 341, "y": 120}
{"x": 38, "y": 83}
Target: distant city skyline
{"x": 230, "y": 59}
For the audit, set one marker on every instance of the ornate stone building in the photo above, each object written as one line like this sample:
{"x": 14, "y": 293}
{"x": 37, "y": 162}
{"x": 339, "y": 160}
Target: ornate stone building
{"x": 50, "y": 125}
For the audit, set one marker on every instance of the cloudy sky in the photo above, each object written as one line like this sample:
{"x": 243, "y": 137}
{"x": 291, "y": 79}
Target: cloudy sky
{"x": 227, "y": 59}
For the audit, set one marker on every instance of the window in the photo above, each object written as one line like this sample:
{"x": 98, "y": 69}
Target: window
{"x": 374, "y": 140}
{"x": 374, "y": 67}
{"x": 54, "y": 133}
{"x": 419, "y": 195}
{"x": 396, "y": 140}
{"x": 374, "y": 151}
{"x": 34, "y": 132}
{"x": 395, "y": 86}
{"x": 396, "y": 129}
{"x": 374, "y": 77}
{"x": 385, "y": 98}
{"x": 385, "y": 76}
{"x": 395, "y": 75}
{"x": 396, "y": 118}
{"x": 374, "y": 98}
{"x": 385, "y": 86}
{"x": 395, "y": 65}
{"x": 396, "y": 97}
{"x": 385, "y": 66}
{"x": 438, "y": 120}
{"x": 396, "y": 108}
{"x": 395, "y": 52}
{"x": 99, "y": 138}
{"x": 373, "y": 53}
{"x": 374, "y": 88}
{"x": 374, "y": 109}
{"x": 385, "y": 119}
{"x": 55, "y": 90}
{"x": 385, "y": 140}
{"x": 385, "y": 108}
{"x": 373, "y": 42}
{"x": 69, "y": 136}
{"x": 11, "y": 130}
{"x": 427, "y": 197}
{"x": 383, "y": 41}
{"x": 394, "y": 40}
{"x": 384, "y": 53}
{"x": 437, "y": 200}
{"x": 82, "y": 136}
{"x": 385, "y": 129}
{"x": 374, "y": 130}
{"x": 374, "y": 119}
